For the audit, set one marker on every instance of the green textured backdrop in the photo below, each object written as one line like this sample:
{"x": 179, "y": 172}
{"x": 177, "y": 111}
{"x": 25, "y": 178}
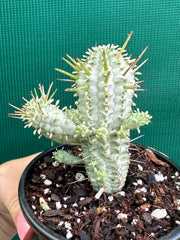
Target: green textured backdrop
{"x": 36, "y": 34}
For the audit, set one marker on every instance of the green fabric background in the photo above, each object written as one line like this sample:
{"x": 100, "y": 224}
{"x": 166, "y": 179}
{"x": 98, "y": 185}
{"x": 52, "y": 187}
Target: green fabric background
{"x": 35, "y": 34}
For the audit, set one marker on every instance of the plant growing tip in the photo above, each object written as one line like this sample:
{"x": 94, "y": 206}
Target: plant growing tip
{"x": 102, "y": 121}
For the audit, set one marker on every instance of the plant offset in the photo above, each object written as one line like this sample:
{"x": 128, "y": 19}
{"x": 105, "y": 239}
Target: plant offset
{"x": 105, "y": 83}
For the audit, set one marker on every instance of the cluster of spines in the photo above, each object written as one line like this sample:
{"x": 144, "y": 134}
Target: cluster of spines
{"x": 78, "y": 65}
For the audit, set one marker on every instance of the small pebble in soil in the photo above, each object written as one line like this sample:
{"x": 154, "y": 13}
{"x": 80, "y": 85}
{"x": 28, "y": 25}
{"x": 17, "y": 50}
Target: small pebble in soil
{"x": 58, "y": 185}
{"x": 134, "y": 221}
{"x": 65, "y": 198}
{"x": 122, "y": 216}
{"x": 159, "y": 213}
{"x": 75, "y": 205}
{"x": 58, "y": 205}
{"x": 33, "y": 207}
{"x": 159, "y": 177}
{"x": 139, "y": 190}
{"x": 78, "y": 220}
{"x": 55, "y": 164}
{"x": 43, "y": 165}
{"x": 61, "y": 223}
{"x": 140, "y": 182}
{"x": 133, "y": 233}
{"x": 47, "y": 191}
{"x": 118, "y": 226}
{"x": 110, "y": 198}
{"x": 122, "y": 193}
{"x": 42, "y": 176}
{"x": 33, "y": 198}
{"x": 140, "y": 167}
{"x": 47, "y": 182}
{"x": 69, "y": 234}
{"x": 68, "y": 225}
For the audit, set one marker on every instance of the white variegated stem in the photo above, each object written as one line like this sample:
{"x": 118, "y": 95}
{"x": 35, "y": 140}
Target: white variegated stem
{"x": 108, "y": 165}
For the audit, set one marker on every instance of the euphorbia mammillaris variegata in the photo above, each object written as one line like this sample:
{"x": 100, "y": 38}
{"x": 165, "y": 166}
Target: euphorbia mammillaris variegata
{"x": 105, "y": 83}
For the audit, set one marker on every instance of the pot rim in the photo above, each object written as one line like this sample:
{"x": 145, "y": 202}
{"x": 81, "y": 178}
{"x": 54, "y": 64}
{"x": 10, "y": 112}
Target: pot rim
{"x": 39, "y": 227}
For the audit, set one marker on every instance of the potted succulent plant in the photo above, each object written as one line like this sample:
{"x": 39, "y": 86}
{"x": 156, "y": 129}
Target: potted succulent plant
{"x": 92, "y": 166}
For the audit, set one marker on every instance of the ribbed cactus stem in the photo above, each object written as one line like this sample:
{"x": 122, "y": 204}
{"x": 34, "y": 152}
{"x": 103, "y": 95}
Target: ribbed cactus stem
{"x": 108, "y": 165}
{"x": 104, "y": 82}
{"x": 46, "y": 118}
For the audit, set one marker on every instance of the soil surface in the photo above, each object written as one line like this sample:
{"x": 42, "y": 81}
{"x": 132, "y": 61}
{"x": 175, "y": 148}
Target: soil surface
{"x": 147, "y": 208}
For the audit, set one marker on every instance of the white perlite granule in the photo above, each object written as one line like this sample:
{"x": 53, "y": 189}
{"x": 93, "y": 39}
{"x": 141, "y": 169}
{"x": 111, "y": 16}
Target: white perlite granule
{"x": 159, "y": 177}
{"x": 55, "y": 164}
{"x": 140, "y": 167}
{"x": 61, "y": 223}
{"x": 122, "y": 193}
{"x": 143, "y": 189}
{"x": 117, "y": 211}
{"x": 33, "y": 198}
{"x": 134, "y": 221}
{"x": 47, "y": 182}
{"x": 111, "y": 198}
{"x": 42, "y": 176}
{"x": 140, "y": 182}
{"x": 78, "y": 220}
{"x": 75, "y": 205}
{"x": 69, "y": 234}
{"x": 58, "y": 205}
{"x": 159, "y": 213}
{"x": 47, "y": 191}
{"x": 65, "y": 198}
{"x": 122, "y": 215}
{"x": 33, "y": 207}
{"x": 68, "y": 225}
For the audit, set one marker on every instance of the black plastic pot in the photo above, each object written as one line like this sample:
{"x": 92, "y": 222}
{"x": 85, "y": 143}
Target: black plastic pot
{"x": 43, "y": 232}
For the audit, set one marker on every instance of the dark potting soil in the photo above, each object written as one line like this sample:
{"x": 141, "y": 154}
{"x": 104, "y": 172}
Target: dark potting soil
{"x": 147, "y": 208}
